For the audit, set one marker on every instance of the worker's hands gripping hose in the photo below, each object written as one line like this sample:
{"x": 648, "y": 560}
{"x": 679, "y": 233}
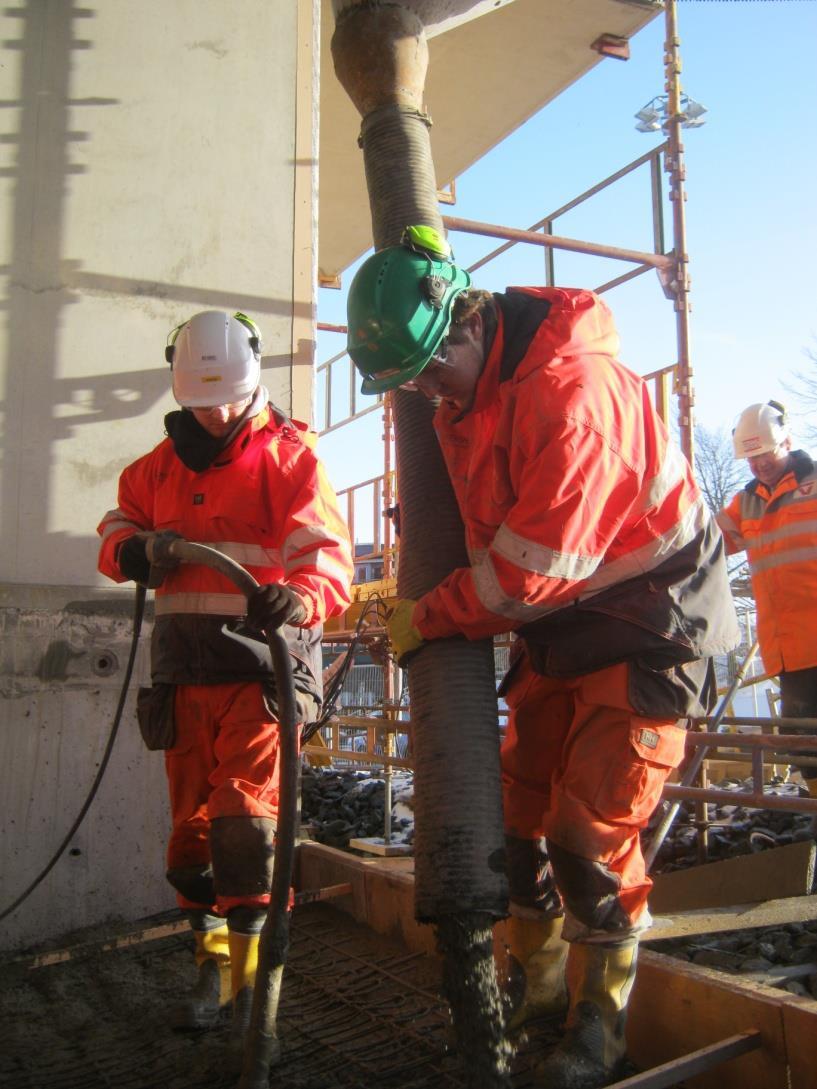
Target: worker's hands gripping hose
{"x": 271, "y": 606}
{"x": 405, "y": 639}
{"x": 145, "y": 558}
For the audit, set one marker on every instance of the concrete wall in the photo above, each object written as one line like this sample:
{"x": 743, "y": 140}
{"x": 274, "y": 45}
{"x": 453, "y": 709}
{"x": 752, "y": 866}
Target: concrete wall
{"x": 155, "y": 159}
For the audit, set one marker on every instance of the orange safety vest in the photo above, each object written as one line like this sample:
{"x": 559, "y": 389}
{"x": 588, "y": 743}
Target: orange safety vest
{"x": 778, "y": 530}
{"x": 585, "y": 528}
{"x": 264, "y": 501}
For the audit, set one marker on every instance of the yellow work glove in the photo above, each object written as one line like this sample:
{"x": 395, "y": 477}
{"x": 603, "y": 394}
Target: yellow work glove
{"x": 403, "y": 636}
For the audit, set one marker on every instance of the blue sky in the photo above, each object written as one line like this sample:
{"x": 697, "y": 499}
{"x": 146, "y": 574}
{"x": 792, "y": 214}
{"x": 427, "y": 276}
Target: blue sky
{"x": 751, "y": 223}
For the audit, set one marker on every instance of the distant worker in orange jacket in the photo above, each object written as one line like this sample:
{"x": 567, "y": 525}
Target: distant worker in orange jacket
{"x": 587, "y": 537}
{"x": 234, "y": 473}
{"x": 773, "y": 518}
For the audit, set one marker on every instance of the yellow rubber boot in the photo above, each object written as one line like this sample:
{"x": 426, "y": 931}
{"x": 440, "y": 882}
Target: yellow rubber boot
{"x": 531, "y": 966}
{"x": 200, "y": 1009}
{"x": 243, "y": 968}
{"x": 599, "y": 981}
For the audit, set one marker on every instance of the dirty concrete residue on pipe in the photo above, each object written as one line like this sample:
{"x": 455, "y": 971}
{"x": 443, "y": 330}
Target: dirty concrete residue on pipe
{"x": 380, "y": 55}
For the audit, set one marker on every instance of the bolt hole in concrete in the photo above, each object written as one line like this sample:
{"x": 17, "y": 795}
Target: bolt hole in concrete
{"x": 105, "y": 663}
{"x": 75, "y": 852}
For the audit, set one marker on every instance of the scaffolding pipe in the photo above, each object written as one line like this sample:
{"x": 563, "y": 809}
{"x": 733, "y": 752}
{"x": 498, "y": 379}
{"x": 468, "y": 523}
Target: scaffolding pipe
{"x": 679, "y": 285}
{"x": 556, "y": 242}
{"x": 696, "y": 762}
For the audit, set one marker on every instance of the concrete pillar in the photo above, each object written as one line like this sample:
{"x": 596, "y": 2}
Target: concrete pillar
{"x": 158, "y": 159}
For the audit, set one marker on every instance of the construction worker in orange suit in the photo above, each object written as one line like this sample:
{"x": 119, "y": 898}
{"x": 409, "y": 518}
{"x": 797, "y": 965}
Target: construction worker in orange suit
{"x": 234, "y": 473}
{"x": 588, "y": 537}
{"x": 774, "y": 518}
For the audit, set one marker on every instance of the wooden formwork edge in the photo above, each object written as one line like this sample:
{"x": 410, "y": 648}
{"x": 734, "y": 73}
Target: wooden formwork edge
{"x": 676, "y": 1008}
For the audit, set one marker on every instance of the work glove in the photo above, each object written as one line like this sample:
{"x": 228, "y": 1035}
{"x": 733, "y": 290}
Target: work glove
{"x": 270, "y": 606}
{"x": 133, "y": 562}
{"x": 405, "y": 639}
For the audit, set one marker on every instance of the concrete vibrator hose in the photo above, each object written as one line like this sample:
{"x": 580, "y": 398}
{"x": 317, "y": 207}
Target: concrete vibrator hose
{"x": 262, "y": 1045}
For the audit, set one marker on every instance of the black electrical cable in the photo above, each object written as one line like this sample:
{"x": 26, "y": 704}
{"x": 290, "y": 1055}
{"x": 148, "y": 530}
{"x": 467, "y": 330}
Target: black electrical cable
{"x": 138, "y": 613}
{"x": 376, "y": 603}
{"x": 310, "y": 730}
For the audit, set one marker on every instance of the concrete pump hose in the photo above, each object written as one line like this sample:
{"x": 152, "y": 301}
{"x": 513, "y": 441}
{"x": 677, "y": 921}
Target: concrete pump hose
{"x": 262, "y": 1045}
{"x": 459, "y": 843}
{"x": 399, "y": 172}
{"x": 380, "y": 54}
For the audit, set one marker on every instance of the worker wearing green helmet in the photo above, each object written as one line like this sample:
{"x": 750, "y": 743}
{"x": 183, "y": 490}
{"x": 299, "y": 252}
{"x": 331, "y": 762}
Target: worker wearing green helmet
{"x": 399, "y": 308}
{"x": 589, "y": 539}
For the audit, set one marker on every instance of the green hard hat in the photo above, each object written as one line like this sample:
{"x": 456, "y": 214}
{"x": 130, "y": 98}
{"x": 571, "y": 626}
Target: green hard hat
{"x": 399, "y": 309}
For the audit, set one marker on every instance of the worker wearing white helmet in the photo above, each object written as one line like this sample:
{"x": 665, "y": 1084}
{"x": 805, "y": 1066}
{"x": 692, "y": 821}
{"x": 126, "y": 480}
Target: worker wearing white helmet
{"x": 235, "y": 473}
{"x": 215, "y": 359}
{"x": 774, "y": 518}
{"x": 761, "y": 434}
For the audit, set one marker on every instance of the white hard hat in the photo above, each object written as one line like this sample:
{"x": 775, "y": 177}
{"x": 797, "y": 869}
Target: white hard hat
{"x": 760, "y": 429}
{"x": 215, "y": 358}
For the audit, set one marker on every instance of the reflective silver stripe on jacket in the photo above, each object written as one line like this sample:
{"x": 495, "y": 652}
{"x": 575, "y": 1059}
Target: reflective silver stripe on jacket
{"x": 205, "y": 604}
{"x": 754, "y": 506}
{"x": 540, "y": 560}
{"x": 783, "y": 559}
{"x": 644, "y": 559}
{"x": 118, "y": 522}
{"x": 673, "y": 472}
{"x": 781, "y": 533}
{"x": 247, "y": 553}
{"x": 306, "y": 547}
{"x": 653, "y": 553}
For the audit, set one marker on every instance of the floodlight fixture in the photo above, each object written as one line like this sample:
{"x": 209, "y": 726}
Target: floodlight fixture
{"x": 655, "y": 115}
{"x": 691, "y": 109}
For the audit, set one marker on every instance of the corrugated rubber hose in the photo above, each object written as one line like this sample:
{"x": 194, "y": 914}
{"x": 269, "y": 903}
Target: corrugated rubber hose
{"x": 381, "y": 55}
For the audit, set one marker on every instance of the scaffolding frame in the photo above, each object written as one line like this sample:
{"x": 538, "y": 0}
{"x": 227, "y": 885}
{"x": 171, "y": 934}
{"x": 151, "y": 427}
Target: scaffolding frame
{"x": 675, "y": 379}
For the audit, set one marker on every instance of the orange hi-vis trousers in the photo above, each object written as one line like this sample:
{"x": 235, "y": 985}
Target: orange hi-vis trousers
{"x": 224, "y": 763}
{"x": 582, "y": 769}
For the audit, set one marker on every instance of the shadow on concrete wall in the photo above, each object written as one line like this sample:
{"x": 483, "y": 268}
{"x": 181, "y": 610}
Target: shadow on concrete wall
{"x": 42, "y": 282}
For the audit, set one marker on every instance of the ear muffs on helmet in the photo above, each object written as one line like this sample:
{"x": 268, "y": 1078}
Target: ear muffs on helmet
{"x": 254, "y": 331}
{"x": 170, "y": 349}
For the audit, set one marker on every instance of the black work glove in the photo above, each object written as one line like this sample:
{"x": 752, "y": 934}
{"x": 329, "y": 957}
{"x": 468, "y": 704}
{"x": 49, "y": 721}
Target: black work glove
{"x": 134, "y": 563}
{"x": 268, "y": 607}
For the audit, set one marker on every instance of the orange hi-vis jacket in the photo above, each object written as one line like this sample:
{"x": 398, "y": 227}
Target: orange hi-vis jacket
{"x": 265, "y": 501}
{"x": 585, "y": 529}
{"x": 778, "y": 530}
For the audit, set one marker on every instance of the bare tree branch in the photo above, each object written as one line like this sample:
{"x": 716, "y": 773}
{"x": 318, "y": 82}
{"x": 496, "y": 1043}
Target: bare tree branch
{"x": 804, "y": 388}
{"x": 718, "y": 473}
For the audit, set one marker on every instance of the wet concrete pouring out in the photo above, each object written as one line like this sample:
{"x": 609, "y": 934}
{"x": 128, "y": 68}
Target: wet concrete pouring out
{"x": 357, "y": 1010}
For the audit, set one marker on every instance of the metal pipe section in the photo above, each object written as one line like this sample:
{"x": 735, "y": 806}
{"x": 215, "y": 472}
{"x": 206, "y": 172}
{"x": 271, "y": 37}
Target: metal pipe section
{"x": 782, "y": 723}
{"x": 750, "y": 799}
{"x": 679, "y": 284}
{"x": 556, "y": 242}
